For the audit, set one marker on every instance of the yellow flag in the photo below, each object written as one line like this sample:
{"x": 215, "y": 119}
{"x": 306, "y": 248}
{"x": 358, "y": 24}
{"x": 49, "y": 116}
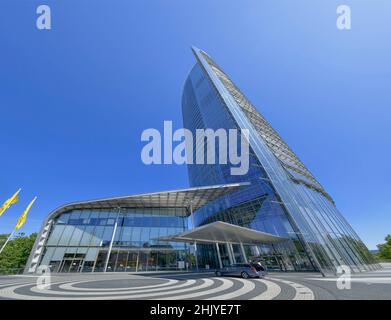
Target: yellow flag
{"x": 14, "y": 199}
{"x": 22, "y": 218}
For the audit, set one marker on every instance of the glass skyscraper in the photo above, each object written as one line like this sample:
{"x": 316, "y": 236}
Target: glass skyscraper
{"x": 284, "y": 198}
{"x": 278, "y": 197}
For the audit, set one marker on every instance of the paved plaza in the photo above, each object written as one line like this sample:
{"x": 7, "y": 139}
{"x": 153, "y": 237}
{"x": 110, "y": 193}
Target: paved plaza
{"x": 205, "y": 286}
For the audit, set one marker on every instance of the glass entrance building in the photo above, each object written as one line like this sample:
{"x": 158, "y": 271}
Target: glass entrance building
{"x": 120, "y": 234}
{"x": 81, "y": 239}
{"x": 283, "y": 197}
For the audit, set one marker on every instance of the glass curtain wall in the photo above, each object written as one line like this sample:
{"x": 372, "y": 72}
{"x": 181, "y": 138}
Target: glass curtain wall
{"x": 79, "y": 240}
{"x": 294, "y": 203}
{"x": 256, "y": 206}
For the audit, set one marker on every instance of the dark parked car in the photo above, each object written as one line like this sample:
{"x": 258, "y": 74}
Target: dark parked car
{"x": 244, "y": 270}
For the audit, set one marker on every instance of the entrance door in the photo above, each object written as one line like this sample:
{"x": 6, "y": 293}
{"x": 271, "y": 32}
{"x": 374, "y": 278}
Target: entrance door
{"x": 133, "y": 261}
{"x": 69, "y": 265}
{"x": 65, "y": 266}
{"x": 143, "y": 262}
{"x": 224, "y": 255}
{"x": 76, "y": 265}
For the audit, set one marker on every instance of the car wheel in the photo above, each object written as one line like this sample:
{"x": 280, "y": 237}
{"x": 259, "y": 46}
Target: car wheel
{"x": 218, "y": 273}
{"x": 244, "y": 275}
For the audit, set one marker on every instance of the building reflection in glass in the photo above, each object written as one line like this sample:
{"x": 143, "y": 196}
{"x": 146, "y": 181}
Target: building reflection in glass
{"x": 80, "y": 240}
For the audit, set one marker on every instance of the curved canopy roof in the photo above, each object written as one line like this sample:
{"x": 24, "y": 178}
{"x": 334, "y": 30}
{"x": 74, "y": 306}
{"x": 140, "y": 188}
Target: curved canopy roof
{"x": 183, "y": 198}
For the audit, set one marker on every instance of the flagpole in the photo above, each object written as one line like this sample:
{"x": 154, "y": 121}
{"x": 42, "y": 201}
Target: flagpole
{"x": 19, "y": 223}
{"x": 9, "y": 238}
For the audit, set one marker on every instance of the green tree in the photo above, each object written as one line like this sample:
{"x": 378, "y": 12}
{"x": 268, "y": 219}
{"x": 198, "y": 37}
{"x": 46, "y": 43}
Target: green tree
{"x": 385, "y": 249}
{"x": 15, "y": 254}
{"x": 3, "y": 238}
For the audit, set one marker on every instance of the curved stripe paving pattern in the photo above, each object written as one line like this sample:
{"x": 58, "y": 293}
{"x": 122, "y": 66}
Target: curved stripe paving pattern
{"x": 154, "y": 288}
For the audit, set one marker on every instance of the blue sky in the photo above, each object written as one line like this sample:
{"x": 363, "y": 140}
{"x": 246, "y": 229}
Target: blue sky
{"x": 74, "y": 100}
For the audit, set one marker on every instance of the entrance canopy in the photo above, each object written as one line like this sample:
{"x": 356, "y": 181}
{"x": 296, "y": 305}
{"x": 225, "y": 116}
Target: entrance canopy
{"x": 222, "y": 232}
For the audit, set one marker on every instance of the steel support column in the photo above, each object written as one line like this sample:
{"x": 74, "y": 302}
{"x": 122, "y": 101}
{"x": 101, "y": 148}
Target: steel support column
{"x": 231, "y": 254}
{"x": 243, "y": 253}
{"x": 195, "y": 242}
{"x": 112, "y": 241}
{"x": 219, "y": 255}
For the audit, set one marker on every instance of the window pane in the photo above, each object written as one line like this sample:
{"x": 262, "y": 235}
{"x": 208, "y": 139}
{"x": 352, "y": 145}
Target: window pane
{"x": 91, "y": 254}
{"x": 47, "y": 257}
{"x": 97, "y": 237}
{"x": 76, "y": 236}
{"x": 87, "y": 235}
{"x": 58, "y": 254}
{"x": 55, "y": 235}
{"x": 66, "y": 235}
{"x": 63, "y": 219}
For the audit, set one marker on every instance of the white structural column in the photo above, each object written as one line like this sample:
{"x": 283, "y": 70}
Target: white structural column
{"x": 232, "y": 252}
{"x": 195, "y": 242}
{"x": 256, "y": 251}
{"x": 219, "y": 255}
{"x": 243, "y": 253}
{"x": 138, "y": 258}
{"x": 231, "y": 255}
{"x": 112, "y": 240}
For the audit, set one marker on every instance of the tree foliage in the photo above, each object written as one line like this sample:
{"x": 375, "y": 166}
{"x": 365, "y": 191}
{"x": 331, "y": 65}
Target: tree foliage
{"x": 385, "y": 249}
{"x": 15, "y": 254}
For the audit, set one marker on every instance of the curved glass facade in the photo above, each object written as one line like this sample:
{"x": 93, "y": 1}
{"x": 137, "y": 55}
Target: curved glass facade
{"x": 283, "y": 199}
{"x": 80, "y": 240}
